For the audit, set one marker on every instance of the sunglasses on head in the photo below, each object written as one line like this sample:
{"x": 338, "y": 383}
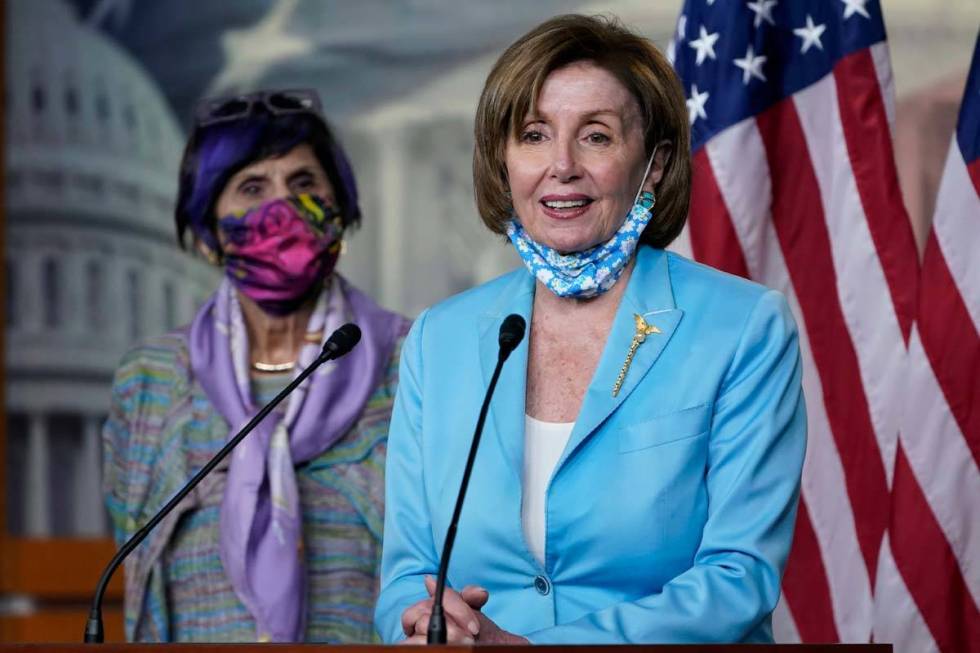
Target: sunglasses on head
{"x": 211, "y": 111}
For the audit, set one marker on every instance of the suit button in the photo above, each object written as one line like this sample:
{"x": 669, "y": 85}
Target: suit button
{"x": 542, "y": 585}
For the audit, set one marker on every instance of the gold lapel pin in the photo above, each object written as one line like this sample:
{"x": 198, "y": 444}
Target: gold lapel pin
{"x": 642, "y": 331}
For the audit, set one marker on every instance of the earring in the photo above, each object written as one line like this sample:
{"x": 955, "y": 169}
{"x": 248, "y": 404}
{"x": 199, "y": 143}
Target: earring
{"x": 213, "y": 257}
{"x": 647, "y": 199}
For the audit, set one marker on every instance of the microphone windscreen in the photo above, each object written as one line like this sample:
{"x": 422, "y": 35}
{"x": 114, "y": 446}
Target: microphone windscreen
{"x": 342, "y": 340}
{"x": 512, "y": 332}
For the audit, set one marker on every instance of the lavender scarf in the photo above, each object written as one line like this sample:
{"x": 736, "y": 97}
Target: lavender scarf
{"x": 261, "y": 524}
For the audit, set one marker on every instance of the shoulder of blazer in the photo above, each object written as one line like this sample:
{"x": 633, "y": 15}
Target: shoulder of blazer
{"x": 697, "y": 284}
{"x": 480, "y": 298}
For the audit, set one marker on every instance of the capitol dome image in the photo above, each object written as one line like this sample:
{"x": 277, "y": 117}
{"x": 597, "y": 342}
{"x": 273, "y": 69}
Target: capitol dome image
{"x": 92, "y": 265}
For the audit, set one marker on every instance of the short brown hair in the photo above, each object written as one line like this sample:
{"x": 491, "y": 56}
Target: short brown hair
{"x": 513, "y": 86}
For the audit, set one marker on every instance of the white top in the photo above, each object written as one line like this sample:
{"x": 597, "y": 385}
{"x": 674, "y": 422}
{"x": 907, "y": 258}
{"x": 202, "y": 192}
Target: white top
{"x": 544, "y": 443}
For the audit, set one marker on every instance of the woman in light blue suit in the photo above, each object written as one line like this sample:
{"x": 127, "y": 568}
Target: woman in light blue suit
{"x": 638, "y": 475}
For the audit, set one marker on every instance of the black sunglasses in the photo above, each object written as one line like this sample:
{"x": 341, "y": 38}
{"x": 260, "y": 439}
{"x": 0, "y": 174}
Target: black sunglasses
{"x": 211, "y": 111}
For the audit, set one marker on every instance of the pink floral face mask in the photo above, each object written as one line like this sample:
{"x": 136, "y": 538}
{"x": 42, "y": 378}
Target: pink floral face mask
{"x": 279, "y": 253}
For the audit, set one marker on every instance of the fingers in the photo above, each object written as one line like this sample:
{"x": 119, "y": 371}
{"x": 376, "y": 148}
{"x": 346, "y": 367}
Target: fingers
{"x": 475, "y": 596}
{"x": 454, "y": 634}
{"x": 455, "y": 608}
{"x": 414, "y": 640}
{"x": 415, "y": 618}
{"x": 413, "y": 613}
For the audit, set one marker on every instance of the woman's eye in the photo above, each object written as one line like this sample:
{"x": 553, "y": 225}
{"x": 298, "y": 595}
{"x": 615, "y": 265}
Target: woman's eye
{"x": 532, "y": 136}
{"x": 251, "y": 190}
{"x": 598, "y": 138}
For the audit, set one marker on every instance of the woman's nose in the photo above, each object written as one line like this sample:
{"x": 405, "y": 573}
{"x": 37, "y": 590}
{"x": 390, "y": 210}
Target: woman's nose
{"x": 280, "y": 188}
{"x": 565, "y": 164}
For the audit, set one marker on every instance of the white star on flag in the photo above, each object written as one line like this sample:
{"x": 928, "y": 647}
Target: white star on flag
{"x": 751, "y": 66}
{"x": 763, "y": 11}
{"x": 810, "y": 34}
{"x": 855, "y": 7}
{"x": 695, "y": 104}
{"x": 705, "y": 45}
{"x": 682, "y": 27}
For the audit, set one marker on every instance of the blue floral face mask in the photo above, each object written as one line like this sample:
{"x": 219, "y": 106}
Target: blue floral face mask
{"x": 590, "y": 273}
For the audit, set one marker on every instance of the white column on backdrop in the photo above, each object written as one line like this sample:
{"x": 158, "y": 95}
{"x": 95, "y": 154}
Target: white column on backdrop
{"x": 30, "y": 289}
{"x": 73, "y": 297}
{"x": 89, "y": 515}
{"x": 37, "y": 512}
{"x": 116, "y": 309}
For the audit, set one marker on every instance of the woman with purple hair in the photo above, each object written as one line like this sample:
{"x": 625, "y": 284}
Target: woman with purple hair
{"x": 281, "y": 542}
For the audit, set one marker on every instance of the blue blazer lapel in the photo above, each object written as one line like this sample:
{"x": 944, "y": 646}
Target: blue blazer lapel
{"x": 649, "y": 295}
{"x": 506, "y": 416}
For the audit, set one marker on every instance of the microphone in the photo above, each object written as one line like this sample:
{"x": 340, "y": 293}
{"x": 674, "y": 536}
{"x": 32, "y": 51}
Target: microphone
{"x": 339, "y": 343}
{"x": 511, "y": 334}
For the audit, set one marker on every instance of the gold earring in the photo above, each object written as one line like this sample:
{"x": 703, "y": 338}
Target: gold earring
{"x": 212, "y": 256}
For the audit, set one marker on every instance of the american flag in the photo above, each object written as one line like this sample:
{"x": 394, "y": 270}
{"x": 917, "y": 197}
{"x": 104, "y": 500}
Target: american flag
{"x": 929, "y": 578}
{"x": 795, "y": 186}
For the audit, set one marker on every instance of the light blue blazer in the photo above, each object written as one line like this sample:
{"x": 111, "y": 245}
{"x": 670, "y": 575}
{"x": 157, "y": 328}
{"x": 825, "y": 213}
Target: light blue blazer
{"x": 670, "y": 513}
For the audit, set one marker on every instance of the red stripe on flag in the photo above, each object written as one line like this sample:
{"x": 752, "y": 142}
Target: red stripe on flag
{"x": 973, "y": 169}
{"x": 713, "y": 238}
{"x": 802, "y": 231}
{"x": 869, "y": 147}
{"x": 928, "y": 566}
{"x": 951, "y": 343}
{"x": 805, "y": 584}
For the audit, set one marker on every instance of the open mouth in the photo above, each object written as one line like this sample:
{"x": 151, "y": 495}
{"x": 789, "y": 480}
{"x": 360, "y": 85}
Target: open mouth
{"x": 565, "y": 206}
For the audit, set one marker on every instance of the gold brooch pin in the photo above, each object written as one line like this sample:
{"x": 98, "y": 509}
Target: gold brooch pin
{"x": 642, "y": 331}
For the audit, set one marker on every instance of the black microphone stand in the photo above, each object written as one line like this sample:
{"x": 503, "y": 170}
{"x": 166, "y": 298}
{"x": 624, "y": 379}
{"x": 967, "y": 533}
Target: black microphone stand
{"x": 511, "y": 334}
{"x": 334, "y": 348}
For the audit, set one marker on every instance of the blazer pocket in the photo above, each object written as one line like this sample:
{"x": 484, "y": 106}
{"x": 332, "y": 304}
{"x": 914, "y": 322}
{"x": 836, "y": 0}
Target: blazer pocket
{"x": 663, "y": 429}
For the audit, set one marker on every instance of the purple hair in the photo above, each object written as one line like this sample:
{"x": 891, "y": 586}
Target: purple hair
{"x": 216, "y": 152}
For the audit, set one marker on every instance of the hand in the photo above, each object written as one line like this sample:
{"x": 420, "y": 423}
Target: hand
{"x": 491, "y": 633}
{"x": 460, "y": 610}
{"x": 474, "y": 598}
